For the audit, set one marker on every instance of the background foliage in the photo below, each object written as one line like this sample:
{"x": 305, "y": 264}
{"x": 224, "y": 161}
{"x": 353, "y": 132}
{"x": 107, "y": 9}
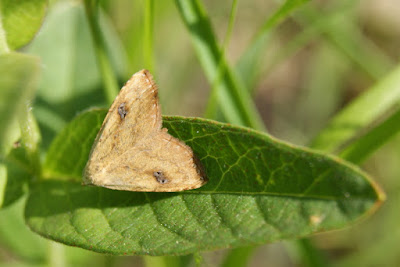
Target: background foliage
{"x": 325, "y": 75}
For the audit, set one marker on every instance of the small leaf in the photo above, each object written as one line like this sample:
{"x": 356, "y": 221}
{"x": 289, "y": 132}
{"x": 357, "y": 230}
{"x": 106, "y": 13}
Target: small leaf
{"x": 18, "y": 76}
{"x": 259, "y": 190}
{"x": 21, "y": 20}
{"x": 17, "y": 173}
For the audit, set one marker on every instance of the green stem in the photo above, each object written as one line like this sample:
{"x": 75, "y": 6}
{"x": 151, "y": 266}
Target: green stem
{"x": 148, "y": 35}
{"x": 56, "y": 254}
{"x": 109, "y": 80}
{"x": 238, "y": 257}
{"x": 212, "y": 106}
{"x": 235, "y": 102}
{"x": 30, "y": 139}
{"x": 310, "y": 255}
{"x": 3, "y": 181}
{"x": 3, "y": 39}
{"x": 152, "y": 261}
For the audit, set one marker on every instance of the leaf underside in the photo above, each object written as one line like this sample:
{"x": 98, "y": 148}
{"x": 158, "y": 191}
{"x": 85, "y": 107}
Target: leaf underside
{"x": 260, "y": 190}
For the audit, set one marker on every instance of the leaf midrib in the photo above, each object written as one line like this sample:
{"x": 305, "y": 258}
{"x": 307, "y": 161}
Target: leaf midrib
{"x": 275, "y": 194}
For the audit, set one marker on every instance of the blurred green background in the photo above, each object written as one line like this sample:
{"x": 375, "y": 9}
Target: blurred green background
{"x": 310, "y": 66}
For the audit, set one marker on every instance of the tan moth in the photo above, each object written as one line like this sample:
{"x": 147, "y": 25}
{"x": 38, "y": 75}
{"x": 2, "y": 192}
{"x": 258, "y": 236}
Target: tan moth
{"x": 133, "y": 152}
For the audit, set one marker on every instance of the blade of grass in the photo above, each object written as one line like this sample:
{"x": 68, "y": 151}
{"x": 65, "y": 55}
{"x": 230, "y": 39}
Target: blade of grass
{"x": 363, "y": 111}
{"x": 212, "y": 106}
{"x": 110, "y": 81}
{"x": 363, "y": 147}
{"x": 248, "y": 64}
{"x": 341, "y": 32}
{"x": 325, "y": 24}
{"x": 148, "y": 35}
{"x": 235, "y": 103}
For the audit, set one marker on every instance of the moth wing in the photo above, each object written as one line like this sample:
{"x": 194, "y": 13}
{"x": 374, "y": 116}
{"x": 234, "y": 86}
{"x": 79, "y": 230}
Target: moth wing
{"x": 160, "y": 163}
{"x": 134, "y": 115}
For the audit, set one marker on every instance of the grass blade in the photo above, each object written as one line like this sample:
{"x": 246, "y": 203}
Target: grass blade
{"x": 235, "y": 103}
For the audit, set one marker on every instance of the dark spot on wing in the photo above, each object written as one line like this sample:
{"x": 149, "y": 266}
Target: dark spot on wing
{"x": 160, "y": 177}
{"x": 122, "y": 111}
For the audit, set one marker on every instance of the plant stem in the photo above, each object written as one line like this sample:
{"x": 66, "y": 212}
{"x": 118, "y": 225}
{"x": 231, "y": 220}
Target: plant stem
{"x": 153, "y": 261}
{"x": 109, "y": 80}
{"x": 148, "y": 35}
{"x": 56, "y": 254}
{"x": 212, "y": 106}
{"x": 30, "y": 137}
{"x": 234, "y": 100}
{"x": 310, "y": 255}
{"x": 3, "y": 39}
{"x": 3, "y": 181}
{"x": 238, "y": 257}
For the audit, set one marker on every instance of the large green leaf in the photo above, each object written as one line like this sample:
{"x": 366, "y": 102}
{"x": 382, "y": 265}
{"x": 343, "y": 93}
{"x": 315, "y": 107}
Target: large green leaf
{"x": 21, "y": 20}
{"x": 259, "y": 190}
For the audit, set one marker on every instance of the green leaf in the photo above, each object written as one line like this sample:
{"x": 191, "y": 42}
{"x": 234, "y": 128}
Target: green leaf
{"x": 18, "y": 172}
{"x": 260, "y": 190}
{"x": 21, "y": 20}
{"x": 364, "y": 111}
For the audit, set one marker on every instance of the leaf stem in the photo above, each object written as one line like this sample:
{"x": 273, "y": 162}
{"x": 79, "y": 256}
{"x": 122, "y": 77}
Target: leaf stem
{"x": 148, "y": 35}
{"x": 109, "y": 80}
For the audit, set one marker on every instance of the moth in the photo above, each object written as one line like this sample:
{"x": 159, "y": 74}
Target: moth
{"x": 133, "y": 152}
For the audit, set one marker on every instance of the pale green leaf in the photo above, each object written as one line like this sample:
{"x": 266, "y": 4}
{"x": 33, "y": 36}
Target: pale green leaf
{"x": 21, "y": 20}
